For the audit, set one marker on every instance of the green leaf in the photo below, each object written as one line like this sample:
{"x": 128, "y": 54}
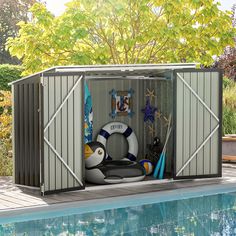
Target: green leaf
{"x": 122, "y": 31}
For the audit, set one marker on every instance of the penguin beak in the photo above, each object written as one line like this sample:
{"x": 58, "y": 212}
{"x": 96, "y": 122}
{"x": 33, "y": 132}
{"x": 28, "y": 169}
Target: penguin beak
{"x": 87, "y": 151}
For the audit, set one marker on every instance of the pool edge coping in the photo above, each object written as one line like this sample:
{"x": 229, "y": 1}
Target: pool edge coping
{"x": 94, "y": 205}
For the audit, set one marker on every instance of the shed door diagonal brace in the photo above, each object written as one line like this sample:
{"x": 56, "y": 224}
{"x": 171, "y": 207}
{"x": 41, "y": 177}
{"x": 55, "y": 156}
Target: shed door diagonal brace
{"x": 50, "y": 122}
{"x": 212, "y": 132}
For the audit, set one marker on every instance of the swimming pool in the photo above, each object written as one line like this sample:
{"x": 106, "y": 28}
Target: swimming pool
{"x": 204, "y": 215}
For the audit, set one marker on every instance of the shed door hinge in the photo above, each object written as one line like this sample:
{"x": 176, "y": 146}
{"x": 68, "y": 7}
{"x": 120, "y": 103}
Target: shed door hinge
{"x": 41, "y": 81}
{"x": 42, "y": 189}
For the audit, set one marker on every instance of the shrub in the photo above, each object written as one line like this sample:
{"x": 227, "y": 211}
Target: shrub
{"x": 5, "y": 134}
{"x": 227, "y": 83}
{"x": 9, "y": 73}
{"x": 6, "y": 163}
{"x": 229, "y": 107}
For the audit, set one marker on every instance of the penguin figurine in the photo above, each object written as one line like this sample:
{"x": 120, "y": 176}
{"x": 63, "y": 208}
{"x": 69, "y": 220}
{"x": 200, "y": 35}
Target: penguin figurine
{"x": 157, "y": 145}
{"x": 98, "y": 170}
{"x": 155, "y": 150}
{"x": 95, "y": 154}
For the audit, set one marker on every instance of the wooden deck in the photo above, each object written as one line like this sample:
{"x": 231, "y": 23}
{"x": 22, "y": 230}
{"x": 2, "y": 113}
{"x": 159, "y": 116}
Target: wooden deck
{"x": 13, "y": 197}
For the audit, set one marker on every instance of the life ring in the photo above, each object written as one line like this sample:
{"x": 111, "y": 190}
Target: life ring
{"x": 121, "y": 128}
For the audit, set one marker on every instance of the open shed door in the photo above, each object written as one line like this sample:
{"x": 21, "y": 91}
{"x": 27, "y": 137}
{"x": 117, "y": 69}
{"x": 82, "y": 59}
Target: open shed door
{"x": 198, "y": 110}
{"x": 63, "y": 132}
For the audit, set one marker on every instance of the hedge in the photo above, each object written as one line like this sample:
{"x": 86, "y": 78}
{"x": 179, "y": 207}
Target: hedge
{"x": 9, "y": 73}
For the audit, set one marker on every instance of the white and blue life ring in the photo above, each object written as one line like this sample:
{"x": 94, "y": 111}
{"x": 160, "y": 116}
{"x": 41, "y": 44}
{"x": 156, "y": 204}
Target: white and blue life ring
{"x": 121, "y": 128}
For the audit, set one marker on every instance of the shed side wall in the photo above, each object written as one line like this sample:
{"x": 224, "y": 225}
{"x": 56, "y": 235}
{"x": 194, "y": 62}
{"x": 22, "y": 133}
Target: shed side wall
{"x": 26, "y": 133}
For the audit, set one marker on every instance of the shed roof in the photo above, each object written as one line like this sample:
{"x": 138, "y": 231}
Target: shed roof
{"x": 94, "y": 69}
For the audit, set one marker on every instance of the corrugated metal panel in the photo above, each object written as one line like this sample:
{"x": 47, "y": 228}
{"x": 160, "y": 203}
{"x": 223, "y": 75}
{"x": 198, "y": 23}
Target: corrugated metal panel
{"x": 193, "y": 127}
{"x": 26, "y": 133}
{"x": 217, "y": 109}
{"x": 195, "y": 123}
{"x": 58, "y": 124}
{"x": 101, "y": 99}
{"x": 64, "y": 131}
{"x": 46, "y": 163}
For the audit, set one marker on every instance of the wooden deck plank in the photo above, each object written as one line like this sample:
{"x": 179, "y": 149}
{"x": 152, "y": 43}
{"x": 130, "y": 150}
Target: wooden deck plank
{"x": 79, "y": 195}
{"x": 26, "y": 198}
{"x": 3, "y": 207}
{"x": 15, "y": 200}
{"x": 62, "y": 197}
{"x": 112, "y": 192}
{"x": 9, "y": 204}
{"x": 13, "y": 197}
{"x": 87, "y": 195}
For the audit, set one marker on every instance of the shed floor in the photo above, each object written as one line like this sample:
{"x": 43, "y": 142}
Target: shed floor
{"x": 13, "y": 197}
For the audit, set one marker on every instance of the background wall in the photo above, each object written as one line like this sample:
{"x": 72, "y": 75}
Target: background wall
{"x": 117, "y": 145}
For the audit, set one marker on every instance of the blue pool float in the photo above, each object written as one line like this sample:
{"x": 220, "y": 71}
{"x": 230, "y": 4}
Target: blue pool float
{"x": 88, "y": 115}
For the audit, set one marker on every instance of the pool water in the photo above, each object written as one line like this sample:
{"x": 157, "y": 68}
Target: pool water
{"x": 209, "y": 215}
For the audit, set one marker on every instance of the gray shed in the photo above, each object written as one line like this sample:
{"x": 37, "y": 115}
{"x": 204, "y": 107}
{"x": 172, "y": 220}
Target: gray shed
{"x": 48, "y": 120}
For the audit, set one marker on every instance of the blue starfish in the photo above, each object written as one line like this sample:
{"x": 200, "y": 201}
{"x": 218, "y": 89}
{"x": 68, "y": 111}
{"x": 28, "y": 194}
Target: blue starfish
{"x": 149, "y": 111}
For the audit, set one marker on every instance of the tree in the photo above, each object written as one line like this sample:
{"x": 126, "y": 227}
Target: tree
{"x": 227, "y": 61}
{"x": 12, "y": 11}
{"x": 9, "y": 73}
{"x": 118, "y": 32}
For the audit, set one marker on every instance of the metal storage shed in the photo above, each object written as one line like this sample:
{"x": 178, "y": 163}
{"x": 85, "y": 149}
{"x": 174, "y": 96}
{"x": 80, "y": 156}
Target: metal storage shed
{"x": 48, "y": 120}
